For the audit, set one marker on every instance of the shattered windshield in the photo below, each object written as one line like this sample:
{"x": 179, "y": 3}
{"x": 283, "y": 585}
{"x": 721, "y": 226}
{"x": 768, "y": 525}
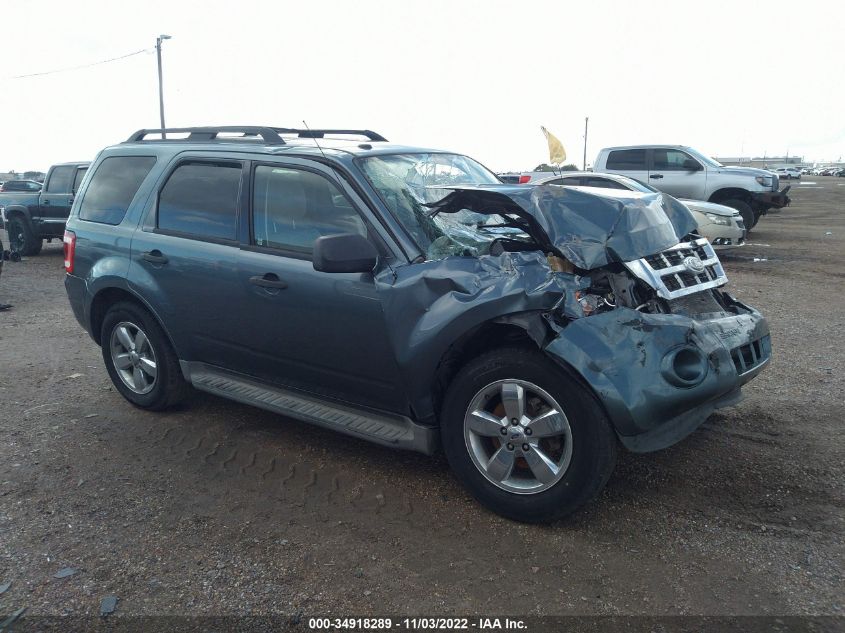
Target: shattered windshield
{"x": 408, "y": 182}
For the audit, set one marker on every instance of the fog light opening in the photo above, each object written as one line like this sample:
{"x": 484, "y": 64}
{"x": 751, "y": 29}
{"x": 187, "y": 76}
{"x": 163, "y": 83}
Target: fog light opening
{"x": 687, "y": 365}
{"x": 684, "y": 367}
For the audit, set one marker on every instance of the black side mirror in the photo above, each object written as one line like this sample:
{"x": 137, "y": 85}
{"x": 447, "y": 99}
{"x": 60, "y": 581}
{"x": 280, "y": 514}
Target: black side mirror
{"x": 691, "y": 165}
{"x": 344, "y": 253}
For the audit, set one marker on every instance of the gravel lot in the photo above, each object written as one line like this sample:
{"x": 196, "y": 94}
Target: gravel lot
{"x": 219, "y": 508}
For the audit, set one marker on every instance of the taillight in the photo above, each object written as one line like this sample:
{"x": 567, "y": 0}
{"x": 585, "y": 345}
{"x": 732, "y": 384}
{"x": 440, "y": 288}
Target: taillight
{"x": 69, "y": 247}
{"x": 524, "y": 179}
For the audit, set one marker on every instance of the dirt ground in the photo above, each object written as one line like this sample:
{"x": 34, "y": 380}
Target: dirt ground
{"x": 219, "y": 508}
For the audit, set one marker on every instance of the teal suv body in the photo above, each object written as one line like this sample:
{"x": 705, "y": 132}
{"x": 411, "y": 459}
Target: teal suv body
{"x": 408, "y": 297}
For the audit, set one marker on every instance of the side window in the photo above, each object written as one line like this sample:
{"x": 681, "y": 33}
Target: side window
{"x": 626, "y": 159}
{"x": 61, "y": 179}
{"x": 670, "y": 160}
{"x": 200, "y": 199}
{"x": 112, "y": 188}
{"x": 571, "y": 182}
{"x": 80, "y": 174}
{"x": 604, "y": 183}
{"x": 292, "y": 207}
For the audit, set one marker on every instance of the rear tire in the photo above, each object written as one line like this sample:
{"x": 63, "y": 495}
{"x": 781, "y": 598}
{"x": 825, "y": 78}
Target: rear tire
{"x": 540, "y": 482}
{"x": 749, "y": 218}
{"x": 139, "y": 358}
{"x": 22, "y": 239}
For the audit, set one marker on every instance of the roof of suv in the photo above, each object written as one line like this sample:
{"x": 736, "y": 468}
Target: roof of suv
{"x": 276, "y": 141}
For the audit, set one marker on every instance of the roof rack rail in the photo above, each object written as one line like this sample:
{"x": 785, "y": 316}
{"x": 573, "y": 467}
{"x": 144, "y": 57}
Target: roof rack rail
{"x": 321, "y": 133}
{"x": 209, "y": 133}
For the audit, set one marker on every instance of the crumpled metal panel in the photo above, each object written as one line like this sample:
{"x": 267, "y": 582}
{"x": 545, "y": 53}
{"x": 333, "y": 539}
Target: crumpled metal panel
{"x": 432, "y": 304}
{"x": 589, "y": 229}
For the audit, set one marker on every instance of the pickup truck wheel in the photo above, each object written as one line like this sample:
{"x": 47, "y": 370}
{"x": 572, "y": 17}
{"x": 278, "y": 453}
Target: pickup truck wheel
{"x": 140, "y": 361}
{"x": 749, "y": 218}
{"x": 525, "y": 438}
{"x": 21, "y": 238}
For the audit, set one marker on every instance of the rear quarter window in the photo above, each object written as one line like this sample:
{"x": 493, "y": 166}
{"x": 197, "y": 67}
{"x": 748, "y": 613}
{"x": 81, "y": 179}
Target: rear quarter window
{"x": 626, "y": 159}
{"x": 112, "y": 188}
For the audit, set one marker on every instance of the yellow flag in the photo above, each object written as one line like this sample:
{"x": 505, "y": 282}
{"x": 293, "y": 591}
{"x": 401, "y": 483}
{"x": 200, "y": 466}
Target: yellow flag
{"x": 556, "y": 152}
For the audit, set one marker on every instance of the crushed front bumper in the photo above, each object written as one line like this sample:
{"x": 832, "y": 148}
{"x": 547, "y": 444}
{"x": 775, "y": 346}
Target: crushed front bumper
{"x": 659, "y": 376}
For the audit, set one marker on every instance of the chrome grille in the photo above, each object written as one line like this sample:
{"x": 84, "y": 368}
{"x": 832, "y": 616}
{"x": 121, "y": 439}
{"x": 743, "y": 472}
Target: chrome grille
{"x": 681, "y": 270}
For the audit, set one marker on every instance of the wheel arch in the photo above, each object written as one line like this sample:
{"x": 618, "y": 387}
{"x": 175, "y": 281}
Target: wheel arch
{"x": 110, "y": 295}
{"x": 500, "y": 332}
{"x": 729, "y": 193}
{"x": 18, "y": 211}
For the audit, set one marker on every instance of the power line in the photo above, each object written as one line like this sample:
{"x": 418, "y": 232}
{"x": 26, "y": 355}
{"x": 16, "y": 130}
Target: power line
{"x": 63, "y": 70}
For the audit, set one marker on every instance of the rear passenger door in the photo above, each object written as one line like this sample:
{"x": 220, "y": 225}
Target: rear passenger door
{"x": 629, "y": 162}
{"x": 319, "y": 332}
{"x": 185, "y": 257}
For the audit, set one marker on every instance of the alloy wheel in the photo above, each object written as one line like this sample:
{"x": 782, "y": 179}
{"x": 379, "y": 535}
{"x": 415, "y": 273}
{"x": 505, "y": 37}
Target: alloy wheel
{"x": 518, "y": 436}
{"x": 133, "y": 357}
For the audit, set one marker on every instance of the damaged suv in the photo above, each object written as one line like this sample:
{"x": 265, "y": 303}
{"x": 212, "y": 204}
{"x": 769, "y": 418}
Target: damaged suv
{"x": 408, "y": 297}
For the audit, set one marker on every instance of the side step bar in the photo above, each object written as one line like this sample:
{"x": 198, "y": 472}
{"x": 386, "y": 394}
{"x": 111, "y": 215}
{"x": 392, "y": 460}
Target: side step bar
{"x": 391, "y": 430}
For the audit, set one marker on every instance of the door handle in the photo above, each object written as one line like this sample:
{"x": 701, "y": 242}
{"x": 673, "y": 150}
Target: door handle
{"x": 656, "y": 176}
{"x": 268, "y": 280}
{"x": 70, "y": 200}
{"x": 46, "y": 203}
{"x": 155, "y": 257}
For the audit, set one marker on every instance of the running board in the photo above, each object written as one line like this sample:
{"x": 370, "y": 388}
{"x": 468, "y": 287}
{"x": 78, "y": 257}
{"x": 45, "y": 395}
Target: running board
{"x": 395, "y": 431}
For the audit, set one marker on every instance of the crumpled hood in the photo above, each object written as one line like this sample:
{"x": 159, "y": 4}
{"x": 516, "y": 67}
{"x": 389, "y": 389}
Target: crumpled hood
{"x": 589, "y": 229}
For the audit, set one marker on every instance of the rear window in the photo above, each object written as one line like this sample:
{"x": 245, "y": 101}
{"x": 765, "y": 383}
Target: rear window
{"x": 113, "y": 187}
{"x": 201, "y": 200}
{"x": 626, "y": 159}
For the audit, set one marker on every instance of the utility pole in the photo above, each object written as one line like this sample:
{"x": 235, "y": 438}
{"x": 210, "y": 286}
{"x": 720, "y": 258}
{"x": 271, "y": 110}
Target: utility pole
{"x": 586, "y": 124}
{"x": 159, "y": 40}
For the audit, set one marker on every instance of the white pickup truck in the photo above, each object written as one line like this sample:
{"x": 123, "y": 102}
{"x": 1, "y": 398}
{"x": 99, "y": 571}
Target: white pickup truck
{"x": 684, "y": 172}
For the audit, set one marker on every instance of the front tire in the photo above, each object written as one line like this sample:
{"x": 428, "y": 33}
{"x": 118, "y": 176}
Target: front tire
{"x": 749, "y": 218}
{"x": 526, "y": 439}
{"x": 139, "y": 359}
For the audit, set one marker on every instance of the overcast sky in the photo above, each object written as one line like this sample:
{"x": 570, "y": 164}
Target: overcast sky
{"x": 475, "y": 77}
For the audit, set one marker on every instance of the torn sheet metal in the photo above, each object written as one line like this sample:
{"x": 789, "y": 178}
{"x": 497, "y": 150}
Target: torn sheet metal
{"x": 623, "y": 355}
{"x": 432, "y": 304}
{"x": 588, "y": 229}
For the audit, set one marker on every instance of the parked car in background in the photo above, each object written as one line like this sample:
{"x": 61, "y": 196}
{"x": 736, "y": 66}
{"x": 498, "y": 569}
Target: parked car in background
{"x": 722, "y": 225}
{"x": 788, "y": 173}
{"x": 687, "y": 173}
{"x": 33, "y": 215}
{"x": 408, "y": 297}
{"x": 20, "y": 185}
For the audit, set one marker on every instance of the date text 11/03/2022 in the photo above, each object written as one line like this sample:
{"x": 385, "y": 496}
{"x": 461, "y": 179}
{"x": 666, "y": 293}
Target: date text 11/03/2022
{"x": 415, "y": 624}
